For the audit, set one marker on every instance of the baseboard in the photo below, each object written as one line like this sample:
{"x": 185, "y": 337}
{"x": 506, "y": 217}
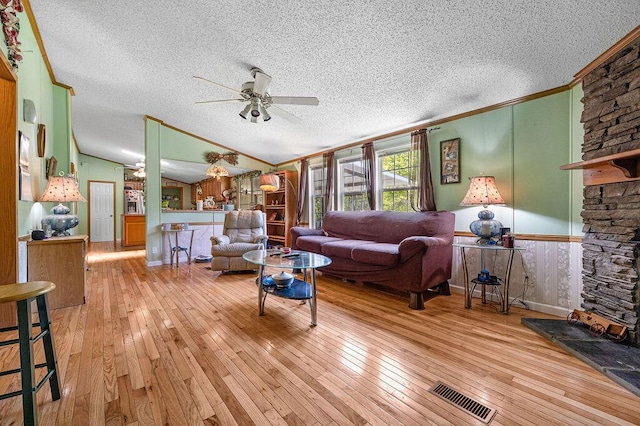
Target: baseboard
{"x": 533, "y": 306}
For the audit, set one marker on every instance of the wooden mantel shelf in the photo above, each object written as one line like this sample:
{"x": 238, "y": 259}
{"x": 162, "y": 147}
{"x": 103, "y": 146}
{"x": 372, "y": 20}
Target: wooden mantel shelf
{"x": 620, "y": 167}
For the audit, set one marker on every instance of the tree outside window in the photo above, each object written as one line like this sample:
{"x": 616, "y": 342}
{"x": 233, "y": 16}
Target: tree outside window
{"x": 396, "y": 187}
{"x": 317, "y": 180}
{"x": 353, "y": 192}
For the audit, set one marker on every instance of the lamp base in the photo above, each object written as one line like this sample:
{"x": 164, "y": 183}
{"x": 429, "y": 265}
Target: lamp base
{"x": 60, "y": 221}
{"x": 485, "y": 227}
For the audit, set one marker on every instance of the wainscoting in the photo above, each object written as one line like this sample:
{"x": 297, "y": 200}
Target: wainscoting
{"x": 553, "y": 269}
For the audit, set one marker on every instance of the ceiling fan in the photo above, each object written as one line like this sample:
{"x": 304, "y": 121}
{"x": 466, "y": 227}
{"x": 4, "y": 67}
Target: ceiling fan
{"x": 259, "y": 100}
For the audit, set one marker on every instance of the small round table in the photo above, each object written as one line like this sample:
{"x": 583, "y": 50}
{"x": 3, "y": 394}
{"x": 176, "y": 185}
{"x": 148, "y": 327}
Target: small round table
{"x": 504, "y": 302}
{"x": 175, "y": 250}
{"x": 299, "y": 289}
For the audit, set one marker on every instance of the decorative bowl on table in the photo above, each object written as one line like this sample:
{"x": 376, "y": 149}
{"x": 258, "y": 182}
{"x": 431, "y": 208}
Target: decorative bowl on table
{"x": 282, "y": 279}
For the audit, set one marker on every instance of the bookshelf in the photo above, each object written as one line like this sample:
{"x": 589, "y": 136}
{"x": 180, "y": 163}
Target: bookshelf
{"x": 280, "y": 207}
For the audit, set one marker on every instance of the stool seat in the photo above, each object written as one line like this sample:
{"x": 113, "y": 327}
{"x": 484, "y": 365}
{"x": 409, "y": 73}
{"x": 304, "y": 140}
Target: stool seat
{"x": 22, "y": 294}
{"x": 22, "y": 291}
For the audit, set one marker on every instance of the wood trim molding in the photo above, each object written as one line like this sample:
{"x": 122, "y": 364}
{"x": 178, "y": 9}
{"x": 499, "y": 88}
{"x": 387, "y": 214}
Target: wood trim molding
{"x": 36, "y": 33}
{"x": 621, "y": 44}
{"x": 415, "y": 127}
{"x": 532, "y": 237}
{"x": 184, "y": 132}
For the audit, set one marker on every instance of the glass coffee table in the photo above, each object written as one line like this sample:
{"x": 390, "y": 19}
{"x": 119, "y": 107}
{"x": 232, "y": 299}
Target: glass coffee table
{"x": 299, "y": 289}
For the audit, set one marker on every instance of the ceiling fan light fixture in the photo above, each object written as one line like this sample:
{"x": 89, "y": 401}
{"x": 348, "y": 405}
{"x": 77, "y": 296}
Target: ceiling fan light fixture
{"x": 255, "y": 112}
{"x": 245, "y": 111}
{"x": 265, "y": 115}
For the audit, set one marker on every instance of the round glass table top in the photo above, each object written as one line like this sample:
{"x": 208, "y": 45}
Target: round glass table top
{"x": 296, "y": 259}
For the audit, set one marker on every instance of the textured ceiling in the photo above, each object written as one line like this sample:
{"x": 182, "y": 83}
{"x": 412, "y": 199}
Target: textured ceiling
{"x": 376, "y": 66}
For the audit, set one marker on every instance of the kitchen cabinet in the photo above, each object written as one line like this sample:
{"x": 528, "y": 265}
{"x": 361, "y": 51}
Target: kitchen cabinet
{"x": 134, "y": 230}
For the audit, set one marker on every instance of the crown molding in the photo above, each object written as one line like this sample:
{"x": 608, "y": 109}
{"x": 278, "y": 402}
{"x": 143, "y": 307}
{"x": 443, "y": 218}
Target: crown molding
{"x": 43, "y": 51}
{"x": 184, "y": 132}
{"x": 613, "y": 50}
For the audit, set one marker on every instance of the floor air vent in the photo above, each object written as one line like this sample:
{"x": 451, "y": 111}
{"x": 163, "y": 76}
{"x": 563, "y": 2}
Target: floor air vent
{"x": 452, "y": 396}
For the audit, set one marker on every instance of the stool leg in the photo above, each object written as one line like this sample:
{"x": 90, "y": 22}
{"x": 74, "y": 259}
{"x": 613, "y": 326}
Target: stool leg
{"x": 27, "y": 369}
{"x": 49, "y": 348}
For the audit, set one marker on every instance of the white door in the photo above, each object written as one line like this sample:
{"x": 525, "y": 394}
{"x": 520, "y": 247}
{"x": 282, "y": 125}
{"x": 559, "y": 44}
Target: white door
{"x": 101, "y": 202}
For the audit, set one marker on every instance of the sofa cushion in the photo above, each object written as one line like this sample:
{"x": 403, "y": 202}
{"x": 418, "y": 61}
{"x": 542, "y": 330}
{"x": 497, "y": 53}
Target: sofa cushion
{"x": 342, "y": 248}
{"x": 384, "y": 226}
{"x": 377, "y": 254}
{"x": 313, "y": 243}
{"x": 233, "y": 249}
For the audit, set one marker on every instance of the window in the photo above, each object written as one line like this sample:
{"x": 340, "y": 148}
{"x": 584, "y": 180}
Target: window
{"x": 316, "y": 192}
{"x": 249, "y": 193}
{"x": 353, "y": 192}
{"x": 395, "y": 187}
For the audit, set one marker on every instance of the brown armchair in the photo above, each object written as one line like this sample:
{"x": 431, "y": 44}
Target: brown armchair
{"x": 243, "y": 231}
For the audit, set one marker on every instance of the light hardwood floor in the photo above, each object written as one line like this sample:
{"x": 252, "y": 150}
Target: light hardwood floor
{"x": 186, "y": 347}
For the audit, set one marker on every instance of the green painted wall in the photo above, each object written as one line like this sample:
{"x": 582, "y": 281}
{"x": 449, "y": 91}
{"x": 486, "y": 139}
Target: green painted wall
{"x": 577, "y": 137}
{"x": 175, "y": 145}
{"x": 34, "y": 84}
{"x": 153, "y": 194}
{"x": 523, "y": 146}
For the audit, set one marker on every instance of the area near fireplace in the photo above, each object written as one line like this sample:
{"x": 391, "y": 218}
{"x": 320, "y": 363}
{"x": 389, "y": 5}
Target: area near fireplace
{"x": 611, "y": 209}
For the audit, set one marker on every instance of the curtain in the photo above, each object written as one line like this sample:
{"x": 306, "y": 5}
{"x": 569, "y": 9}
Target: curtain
{"x": 420, "y": 172}
{"x": 302, "y": 189}
{"x": 327, "y": 164}
{"x": 368, "y": 160}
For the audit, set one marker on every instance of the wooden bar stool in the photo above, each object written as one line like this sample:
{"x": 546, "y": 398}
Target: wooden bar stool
{"x": 23, "y": 294}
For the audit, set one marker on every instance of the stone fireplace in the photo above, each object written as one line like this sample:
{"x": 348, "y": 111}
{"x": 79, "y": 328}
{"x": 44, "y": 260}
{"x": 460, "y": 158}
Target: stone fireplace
{"x": 611, "y": 210}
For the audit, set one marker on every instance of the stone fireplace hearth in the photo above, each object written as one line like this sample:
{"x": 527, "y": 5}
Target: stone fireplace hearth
{"x": 611, "y": 210}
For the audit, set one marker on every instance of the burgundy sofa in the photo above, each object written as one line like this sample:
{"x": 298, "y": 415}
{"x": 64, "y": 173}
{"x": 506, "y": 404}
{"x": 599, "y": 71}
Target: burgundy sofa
{"x": 404, "y": 251}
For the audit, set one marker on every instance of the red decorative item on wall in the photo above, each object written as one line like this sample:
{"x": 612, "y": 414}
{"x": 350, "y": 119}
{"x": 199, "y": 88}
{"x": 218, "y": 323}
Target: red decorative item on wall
{"x": 11, "y": 28}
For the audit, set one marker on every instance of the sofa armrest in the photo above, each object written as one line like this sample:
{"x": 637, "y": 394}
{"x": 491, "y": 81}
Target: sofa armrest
{"x": 261, "y": 239}
{"x": 299, "y": 231}
{"x": 412, "y": 245}
{"x": 220, "y": 239}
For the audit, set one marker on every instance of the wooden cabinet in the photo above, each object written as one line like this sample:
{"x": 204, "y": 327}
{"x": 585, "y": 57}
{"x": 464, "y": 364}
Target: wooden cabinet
{"x": 61, "y": 260}
{"x": 134, "y": 230}
{"x": 281, "y": 206}
{"x": 172, "y": 196}
{"x": 211, "y": 187}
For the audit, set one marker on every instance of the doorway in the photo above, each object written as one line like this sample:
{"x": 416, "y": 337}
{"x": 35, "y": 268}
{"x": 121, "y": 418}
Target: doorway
{"x": 101, "y": 211}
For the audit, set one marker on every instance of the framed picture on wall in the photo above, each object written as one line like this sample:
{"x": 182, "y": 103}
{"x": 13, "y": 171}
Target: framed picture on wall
{"x": 52, "y": 163}
{"x": 24, "y": 177}
{"x": 450, "y": 161}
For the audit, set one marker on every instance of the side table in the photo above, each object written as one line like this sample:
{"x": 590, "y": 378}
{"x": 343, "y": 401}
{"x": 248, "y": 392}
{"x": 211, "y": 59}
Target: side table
{"x": 504, "y": 303}
{"x": 177, "y": 248}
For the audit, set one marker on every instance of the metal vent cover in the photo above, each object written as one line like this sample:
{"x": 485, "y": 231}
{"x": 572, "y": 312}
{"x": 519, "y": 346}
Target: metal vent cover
{"x": 469, "y": 405}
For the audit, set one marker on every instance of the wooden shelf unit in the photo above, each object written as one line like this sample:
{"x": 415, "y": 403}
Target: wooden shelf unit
{"x": 620, "y": 167}
{"x": 173, "y": 192}
{"x": 61, "y": 260}
{"x": 280, "y": 207}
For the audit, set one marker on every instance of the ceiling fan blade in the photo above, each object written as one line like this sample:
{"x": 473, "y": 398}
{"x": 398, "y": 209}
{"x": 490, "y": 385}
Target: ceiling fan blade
{"x": 261, "y": 84}
{"x": 284, "y": 114}
{"x": 295, "y": 100}
{"x": 220, "y": 101}
{"x": 221, "y": 85}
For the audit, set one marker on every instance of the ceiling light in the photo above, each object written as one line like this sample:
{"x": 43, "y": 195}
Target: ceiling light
{"x": 245, "y": 111}
{"x": 265, "y": 114}
{"x": 140, "y": 173}
{"x": 216, "y": 171}
{"x": 255, "y": 112}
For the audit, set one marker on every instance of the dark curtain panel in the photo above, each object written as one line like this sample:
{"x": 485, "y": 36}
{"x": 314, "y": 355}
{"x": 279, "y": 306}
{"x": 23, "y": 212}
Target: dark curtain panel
{"x": 327, "y": 163}
{"x": 368, "y": 158}
{"x": 421, "y": 171}
{"x": 302, "y": 189}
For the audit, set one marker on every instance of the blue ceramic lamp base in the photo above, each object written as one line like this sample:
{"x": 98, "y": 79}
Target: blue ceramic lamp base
{"x": 485, "y": 227}
{"x": 60, "y": 221}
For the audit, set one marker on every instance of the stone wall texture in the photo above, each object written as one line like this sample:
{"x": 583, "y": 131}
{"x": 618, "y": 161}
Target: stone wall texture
{"x": 611, "y": 212}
